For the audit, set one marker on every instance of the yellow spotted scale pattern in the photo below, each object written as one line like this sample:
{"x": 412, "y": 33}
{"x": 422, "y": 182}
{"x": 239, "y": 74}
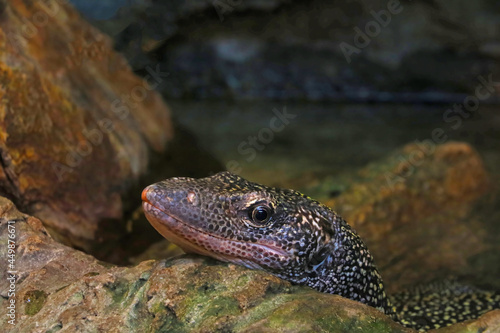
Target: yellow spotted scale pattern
{"x": 442, "y": 303}
{"x": 297, "y": 239}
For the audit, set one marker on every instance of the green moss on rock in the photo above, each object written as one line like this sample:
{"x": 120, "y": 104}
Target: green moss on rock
{"x": 34, "y": 301}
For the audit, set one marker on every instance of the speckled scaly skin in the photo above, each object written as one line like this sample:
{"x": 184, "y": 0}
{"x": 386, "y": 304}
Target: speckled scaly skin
{"x": 285, "y": 233}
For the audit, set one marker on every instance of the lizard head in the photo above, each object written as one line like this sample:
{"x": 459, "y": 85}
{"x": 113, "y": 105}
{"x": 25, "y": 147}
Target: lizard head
{"x": 231, "y": 219}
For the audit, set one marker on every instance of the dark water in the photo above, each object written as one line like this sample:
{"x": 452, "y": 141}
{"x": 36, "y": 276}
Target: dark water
{"x": 317, "y": 140}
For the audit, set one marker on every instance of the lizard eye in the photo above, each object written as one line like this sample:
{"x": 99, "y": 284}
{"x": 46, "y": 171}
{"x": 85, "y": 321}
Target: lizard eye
{"x": 260, "y": 215}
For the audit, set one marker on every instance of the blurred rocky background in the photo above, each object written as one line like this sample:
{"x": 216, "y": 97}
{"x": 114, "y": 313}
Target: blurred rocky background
{"x": 351, "y": 50}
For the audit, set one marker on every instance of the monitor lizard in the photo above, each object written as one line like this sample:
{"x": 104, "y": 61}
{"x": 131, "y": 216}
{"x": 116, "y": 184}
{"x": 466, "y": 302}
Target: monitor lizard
{"x": 298, "y": 239}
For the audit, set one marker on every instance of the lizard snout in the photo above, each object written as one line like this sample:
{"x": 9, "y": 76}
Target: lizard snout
{"x": 144, "y": 195}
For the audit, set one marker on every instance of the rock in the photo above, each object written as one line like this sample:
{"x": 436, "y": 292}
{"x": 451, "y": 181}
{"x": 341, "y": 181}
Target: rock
{"x": 59, "y": 288}
{"x": 336, "y": 51}
{"x": 129, "y": 23}
{"x": 415, "y": 211}
{"x": 77, "y": 127}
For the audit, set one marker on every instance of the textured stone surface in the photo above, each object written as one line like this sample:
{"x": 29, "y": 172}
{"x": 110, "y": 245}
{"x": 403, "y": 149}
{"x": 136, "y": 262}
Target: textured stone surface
{"x": 415, "y": 211}
{"x": 76, "y": 125}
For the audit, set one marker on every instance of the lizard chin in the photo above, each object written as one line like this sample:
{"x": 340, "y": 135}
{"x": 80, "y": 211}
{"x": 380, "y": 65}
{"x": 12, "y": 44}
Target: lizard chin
{"x": 193, "y": 240}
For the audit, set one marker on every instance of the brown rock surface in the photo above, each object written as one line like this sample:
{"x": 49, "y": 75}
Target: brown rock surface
{"x": 415, "y": 211}
{"x": 76, "y": 125}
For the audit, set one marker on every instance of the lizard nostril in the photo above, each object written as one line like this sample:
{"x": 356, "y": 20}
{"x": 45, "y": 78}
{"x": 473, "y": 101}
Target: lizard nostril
{"x": 191, "y": 198}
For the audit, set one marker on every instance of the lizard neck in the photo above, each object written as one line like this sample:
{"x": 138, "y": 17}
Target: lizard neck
{"x": 345, "y": 267}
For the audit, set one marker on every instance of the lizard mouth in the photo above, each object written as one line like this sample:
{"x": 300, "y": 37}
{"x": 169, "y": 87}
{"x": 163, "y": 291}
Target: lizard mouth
{"x": 194, "y": 240}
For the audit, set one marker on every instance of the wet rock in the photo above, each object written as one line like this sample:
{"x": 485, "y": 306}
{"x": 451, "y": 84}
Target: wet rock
{"x": 59, "y": 288}
{"x": 77, "y": 126}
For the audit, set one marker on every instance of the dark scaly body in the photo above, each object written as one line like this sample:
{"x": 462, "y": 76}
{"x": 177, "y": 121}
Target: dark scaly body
{"x": 295, "y": 238}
